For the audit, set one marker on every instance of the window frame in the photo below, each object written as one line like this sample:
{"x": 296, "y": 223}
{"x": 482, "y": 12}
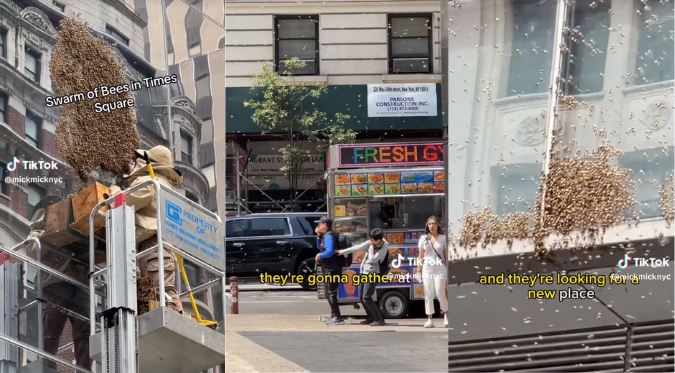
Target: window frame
{"x": 317, "y": 57}
{"x": 249, "y": 227}
{"x": 115, "y": 34}
{"x": 569, "y": 68}
{"x": 28, "y": 50}
{"x": 3, "y": 42}
{"x": 195, "y": 200}
{"x": 39, "y": 124}
{"x": 43, "y": 194}
{"x": 4, "y": 105}
{"x": 235, "y": 221}
{"x": 634, "y": 65}
{"x": 390, "y": 38}
{"x": 190, "y": 141}
{"x": 59, "y": 6}
{"x": 3, "y": 184}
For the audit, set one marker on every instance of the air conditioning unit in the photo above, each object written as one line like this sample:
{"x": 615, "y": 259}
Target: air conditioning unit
{"x": 310, "y": 68}
{"x": 411, "y": 65}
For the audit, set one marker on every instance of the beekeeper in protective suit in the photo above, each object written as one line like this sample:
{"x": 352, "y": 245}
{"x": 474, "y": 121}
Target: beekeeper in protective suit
{"x": 60, "y": 295}
{"x": 144, "y": 201}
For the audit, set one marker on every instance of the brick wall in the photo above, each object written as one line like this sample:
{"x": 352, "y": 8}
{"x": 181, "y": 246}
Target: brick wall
{"x": 48, "y": 144}
{"x": 67, "y": 355}
{"x": 18, "y": 200}
{"x": 16, "y": 121}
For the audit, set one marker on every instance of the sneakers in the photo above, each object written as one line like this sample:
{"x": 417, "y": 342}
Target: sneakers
{"x": 429, "y": 324}
{"x": 445, "y": 320}
{"x": 336, "y": 321}
{"x": 377, "y": 323}
{"x": 329, "y": 320}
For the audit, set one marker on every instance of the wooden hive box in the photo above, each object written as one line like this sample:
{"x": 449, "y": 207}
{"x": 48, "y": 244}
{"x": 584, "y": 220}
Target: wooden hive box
{"x": 83, "y": 203}
{"x": 58, "y": 217}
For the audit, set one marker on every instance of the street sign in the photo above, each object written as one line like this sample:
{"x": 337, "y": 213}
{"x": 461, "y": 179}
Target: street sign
{"x": 192, "y": 230}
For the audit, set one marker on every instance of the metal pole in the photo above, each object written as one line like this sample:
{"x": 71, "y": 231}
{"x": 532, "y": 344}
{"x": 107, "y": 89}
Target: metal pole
{"x": 238, "y": 169}
{"x": 553, "y": 98}
{"x": 160, "y": 245}
{"x": 40, "y": 295}
{"x": 169, "y": 115}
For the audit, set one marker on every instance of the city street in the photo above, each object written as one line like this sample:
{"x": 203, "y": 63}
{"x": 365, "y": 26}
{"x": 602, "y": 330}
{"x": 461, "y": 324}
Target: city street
{"x": 281, "y": 329}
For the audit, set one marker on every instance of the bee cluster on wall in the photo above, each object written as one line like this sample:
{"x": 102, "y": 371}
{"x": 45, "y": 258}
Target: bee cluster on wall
{"x": 86, "y": 139}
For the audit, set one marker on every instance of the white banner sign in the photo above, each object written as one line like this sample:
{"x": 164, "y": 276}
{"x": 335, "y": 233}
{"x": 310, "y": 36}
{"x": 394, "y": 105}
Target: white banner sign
{"x": 402, "y": 100}
{"x": 264, "y": 172}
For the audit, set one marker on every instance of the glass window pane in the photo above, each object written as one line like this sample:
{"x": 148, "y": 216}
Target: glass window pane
{"x": 235, "y": 228}
{"x": 588, "y": 47}
{"x": 31, "y": 62}
{"x": 531, "y": 47}
{"x": 297, "y": 29}
{"x": 410, "y": 27}
{"x": 654, "y": 57}
{"x": 497, "y": 146}
{"x": 269, "y": 227}
{"x": 301, "y": 49}
{"x": 410, "y": 47}
{"x": 32, "y": 127}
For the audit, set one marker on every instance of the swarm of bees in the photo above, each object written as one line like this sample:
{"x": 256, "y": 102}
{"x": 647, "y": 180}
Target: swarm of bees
{"x": 581, "y": 195}
{"x": 86, "y": 139}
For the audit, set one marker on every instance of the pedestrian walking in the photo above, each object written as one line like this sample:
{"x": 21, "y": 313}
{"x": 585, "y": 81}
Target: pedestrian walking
{"x": 432, "y": 269}
{"x": 376, "y": 261}
{"x": 331, "y": 264}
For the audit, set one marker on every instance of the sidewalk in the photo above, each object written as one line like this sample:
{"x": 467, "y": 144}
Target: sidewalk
{"x": 243, "y": 355}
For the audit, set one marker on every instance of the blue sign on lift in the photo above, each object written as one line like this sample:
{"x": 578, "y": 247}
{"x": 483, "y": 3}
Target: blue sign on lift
{"x": 193, "y": 230}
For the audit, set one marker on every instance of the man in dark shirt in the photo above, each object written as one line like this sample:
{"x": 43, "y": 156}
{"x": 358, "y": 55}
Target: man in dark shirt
{"x": 327, "y": 242}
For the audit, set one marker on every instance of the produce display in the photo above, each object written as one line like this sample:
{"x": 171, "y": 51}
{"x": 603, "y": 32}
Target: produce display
{"x": 389, "y": 183}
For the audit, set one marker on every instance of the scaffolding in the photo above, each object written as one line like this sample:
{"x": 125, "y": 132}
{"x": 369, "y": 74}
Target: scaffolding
{"x": 244, "y": 181}
{"x": 121, "y": 340}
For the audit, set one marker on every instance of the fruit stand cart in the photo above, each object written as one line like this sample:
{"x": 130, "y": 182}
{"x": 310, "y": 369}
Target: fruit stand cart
{"x": 407, "y": 182}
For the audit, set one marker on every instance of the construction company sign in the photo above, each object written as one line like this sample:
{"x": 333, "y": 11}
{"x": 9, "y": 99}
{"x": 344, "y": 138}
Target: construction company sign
{"x": 263, "y": 171}
{"x": 402, "y": 100}
{"x": 192, "y": 230}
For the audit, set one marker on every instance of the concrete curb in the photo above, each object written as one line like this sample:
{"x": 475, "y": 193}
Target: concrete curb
{"x": 258, "y": 287}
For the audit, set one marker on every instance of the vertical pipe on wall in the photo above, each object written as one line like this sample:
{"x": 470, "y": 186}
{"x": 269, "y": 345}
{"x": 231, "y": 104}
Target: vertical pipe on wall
{"x": 554, "y": 93}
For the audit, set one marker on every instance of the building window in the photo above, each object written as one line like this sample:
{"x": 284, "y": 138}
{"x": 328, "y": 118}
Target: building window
{"x": 410, "y": 43}
{"x": 32, "y": 65}
{"x": 60, "y": 7}
{"x": 3, "y": 185}
{"x": 195, "y": 50}
{"x": 654, "y": 60}
{"x": 191, "y": 197}
{"x": 4, "y": 101}
{"x": 116, "y": 35}
{"x": 297, "y": 37}
{"x": 587, "y": 41}
{"x": 532, "y": 29}
{"x": 33, "y": 129}
{"x": 35, "y": 195}
{"x": 3, "y": 43}
{"x": 185, "y": 148}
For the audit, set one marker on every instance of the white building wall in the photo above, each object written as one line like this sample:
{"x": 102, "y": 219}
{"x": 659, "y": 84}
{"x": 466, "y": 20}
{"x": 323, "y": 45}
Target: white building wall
{"x": 353, "y": 42}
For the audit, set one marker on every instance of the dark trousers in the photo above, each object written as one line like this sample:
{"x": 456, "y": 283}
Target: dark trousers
{"x": 75, "y": 300}
{"x": 331, "y": 291}
{"x": 366, "y": 292}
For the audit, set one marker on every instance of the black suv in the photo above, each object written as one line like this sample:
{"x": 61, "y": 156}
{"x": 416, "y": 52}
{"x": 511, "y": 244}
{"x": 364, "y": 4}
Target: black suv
{"x": 275, "y": 243}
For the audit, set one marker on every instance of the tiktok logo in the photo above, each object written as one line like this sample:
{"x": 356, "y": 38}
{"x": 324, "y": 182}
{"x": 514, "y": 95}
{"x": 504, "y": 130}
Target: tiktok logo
{"x": 11, "y": 166}
{"x": 396, "y": 263}
{"x": 623, "y": 263}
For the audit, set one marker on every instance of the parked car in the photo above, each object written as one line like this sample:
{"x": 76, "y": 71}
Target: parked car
{"x": 274, "y": 243}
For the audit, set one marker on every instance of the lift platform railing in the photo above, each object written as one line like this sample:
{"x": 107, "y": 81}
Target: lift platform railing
{"x": 159, "y": 248}
{"x": 14, "y": 253}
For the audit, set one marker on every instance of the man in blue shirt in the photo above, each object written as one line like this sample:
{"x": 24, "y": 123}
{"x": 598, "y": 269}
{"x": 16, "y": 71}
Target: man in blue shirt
{"x": 327, "y": 243}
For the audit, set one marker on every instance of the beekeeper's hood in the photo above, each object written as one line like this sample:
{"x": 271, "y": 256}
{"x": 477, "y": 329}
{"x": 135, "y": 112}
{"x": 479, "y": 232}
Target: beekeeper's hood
{"x": 162, "y": 164}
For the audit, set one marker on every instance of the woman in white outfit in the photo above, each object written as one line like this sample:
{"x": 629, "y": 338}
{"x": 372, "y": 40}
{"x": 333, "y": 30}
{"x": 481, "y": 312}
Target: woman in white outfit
{"x": 432, "y": 269}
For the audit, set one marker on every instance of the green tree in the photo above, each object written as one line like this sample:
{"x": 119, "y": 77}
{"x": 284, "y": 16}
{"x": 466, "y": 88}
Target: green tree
{"x": 286, "y": 108}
